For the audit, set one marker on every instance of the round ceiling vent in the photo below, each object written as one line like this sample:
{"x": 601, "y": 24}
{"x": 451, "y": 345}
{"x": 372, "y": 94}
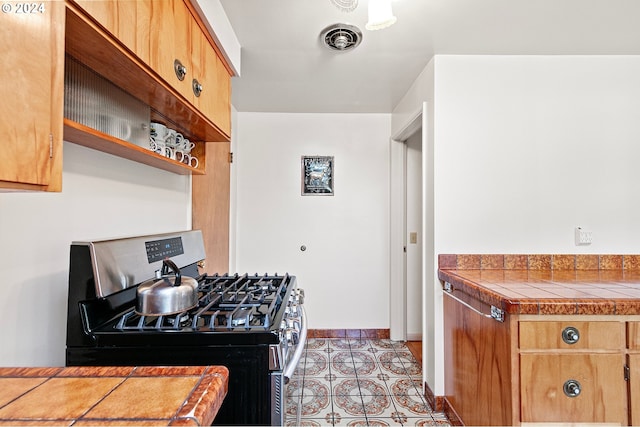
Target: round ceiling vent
{"x": 341, "y": 37}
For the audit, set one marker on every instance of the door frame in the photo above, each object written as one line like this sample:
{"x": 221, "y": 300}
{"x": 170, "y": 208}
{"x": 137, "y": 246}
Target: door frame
{"x": 398, "y": 227}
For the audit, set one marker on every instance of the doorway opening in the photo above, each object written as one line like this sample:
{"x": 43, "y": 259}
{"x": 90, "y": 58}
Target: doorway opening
{"x": 410, "y": 240}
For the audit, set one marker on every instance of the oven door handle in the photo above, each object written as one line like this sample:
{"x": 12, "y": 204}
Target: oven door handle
{"x": 297, "y": 354}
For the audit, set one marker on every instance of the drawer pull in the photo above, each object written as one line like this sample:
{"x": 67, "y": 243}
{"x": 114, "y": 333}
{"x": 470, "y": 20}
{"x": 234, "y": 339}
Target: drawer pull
{"x": 570, "y": 335}
{"x": 181, "y": 70}
{"x": 197, "y": 87}
{"x": 572, "y": 388}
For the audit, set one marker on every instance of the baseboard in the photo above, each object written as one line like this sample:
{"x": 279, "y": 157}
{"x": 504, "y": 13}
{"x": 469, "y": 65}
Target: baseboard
{"x": 451, "y": 414}
{"x": 436, "y": 402}
{"x": 349, "y": 333}
{"x": 414, "y": 336}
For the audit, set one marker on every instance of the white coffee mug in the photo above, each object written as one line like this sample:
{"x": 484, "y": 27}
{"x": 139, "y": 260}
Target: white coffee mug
{"x": 182, "y": 157}
{"x": 157, "y": 146}
{"x": 174, "y": 138}
{"x": 187, "y": 145}
{"x": 158, "y": 131}
{"x": 186, "y": 158}
{"x": 170, "y": 152}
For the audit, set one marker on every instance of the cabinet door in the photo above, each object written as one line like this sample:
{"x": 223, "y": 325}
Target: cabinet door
{"x": 32, "y": 51}
{"x": 170, "y": 40}
{"x": 634, "y": 335}
{"x": 634, "y": 389}
{"x": 633, "y": 330}
{"x": 133, "y": 20}
{"x": 103, "y": 11}
{"x": 599, "y": 386}
{"x": 211, "y": 74}
{"x": 126, "y": 20}
{"x": 478, "y": 371}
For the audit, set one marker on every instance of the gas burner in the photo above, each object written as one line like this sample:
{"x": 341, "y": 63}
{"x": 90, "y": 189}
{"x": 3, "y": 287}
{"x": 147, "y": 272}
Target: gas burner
{"x": 243, "y": 317}
{"x": 179, "y": 320}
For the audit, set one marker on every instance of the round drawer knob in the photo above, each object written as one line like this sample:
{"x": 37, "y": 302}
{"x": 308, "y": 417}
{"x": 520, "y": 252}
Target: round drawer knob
{"x": 181, "y": 70}
{"x": 570, "y": 335}
{"x": 197, "y": 87}
{"x": 571, "y": 388}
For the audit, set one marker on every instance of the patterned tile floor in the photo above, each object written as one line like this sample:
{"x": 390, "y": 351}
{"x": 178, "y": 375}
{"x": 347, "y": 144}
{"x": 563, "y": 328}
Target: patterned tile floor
{"x": 347, "y": 382}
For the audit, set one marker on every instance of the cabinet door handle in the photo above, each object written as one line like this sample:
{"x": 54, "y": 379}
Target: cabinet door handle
{"x": 572, "y": 388}
{"x": 570, "y": 335}
{"x": 197, "y": 87}
{"x": 181, "y": 70}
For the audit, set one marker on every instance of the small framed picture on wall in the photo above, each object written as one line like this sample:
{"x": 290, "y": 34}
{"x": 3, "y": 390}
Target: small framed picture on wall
{"x": 317, "y": 175}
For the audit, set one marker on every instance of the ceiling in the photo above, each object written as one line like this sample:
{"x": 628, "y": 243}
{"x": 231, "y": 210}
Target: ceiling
{"x": 285, "y": 68}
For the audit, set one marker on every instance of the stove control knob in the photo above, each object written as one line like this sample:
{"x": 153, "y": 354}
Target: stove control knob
{"x": 291, "y": 336}
{"x": 293, "y": 323}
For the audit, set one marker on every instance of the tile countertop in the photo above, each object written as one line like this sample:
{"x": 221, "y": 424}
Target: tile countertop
{"x": 548, "y": 284}
{"x": 176, "y": 395}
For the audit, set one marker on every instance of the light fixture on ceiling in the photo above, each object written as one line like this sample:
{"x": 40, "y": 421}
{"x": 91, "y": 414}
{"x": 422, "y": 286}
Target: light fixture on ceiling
{"x": 345, "y": 5}
{"x": 380, "y": 15}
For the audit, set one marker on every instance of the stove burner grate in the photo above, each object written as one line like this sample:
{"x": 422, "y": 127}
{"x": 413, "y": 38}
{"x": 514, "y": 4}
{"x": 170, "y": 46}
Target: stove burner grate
{"x": 225, "y": 303}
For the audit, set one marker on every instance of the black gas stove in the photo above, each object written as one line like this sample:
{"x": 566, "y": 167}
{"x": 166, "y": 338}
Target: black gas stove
{"x": 252, "y": 324}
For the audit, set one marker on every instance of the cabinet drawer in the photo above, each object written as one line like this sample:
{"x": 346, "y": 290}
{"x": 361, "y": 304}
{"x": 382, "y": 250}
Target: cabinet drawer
{"x": 597, "y": 380}
{"x": 634, "y": 335}
{"x": 572, "y": 335}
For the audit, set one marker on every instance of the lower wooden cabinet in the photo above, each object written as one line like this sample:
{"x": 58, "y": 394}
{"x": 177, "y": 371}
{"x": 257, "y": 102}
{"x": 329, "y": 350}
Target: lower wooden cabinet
{"x": 570, "y": 388}
{"x": 633, "y": 339}
{"x": 539, "y": 368}
{"x": 478, "y": 365}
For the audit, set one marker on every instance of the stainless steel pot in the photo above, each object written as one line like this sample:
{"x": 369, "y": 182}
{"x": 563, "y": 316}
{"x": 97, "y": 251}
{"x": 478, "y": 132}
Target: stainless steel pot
{"x": 171, "y": 294}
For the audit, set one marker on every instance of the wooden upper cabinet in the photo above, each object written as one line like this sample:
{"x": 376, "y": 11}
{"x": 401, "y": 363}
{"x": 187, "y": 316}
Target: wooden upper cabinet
{"x": 32, "y": 50}
{"x": 126, "y": 20}
{"x": 170, "y": 44}
{"x": 166, "y": 35}
{"x": 134, "y": 18}
{"x": 212, "y": 78}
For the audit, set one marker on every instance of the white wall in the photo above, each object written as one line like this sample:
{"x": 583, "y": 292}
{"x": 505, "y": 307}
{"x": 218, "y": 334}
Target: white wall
{"x": 526, "y": 148}
{"x": 345, "y": 269}
{"x": 103, "y": 196}
{"x": 538, "y": 146}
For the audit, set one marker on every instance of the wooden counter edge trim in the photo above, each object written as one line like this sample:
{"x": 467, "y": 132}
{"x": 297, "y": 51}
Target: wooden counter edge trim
{"x": 203, "y": 404}
{"x": 484, "y": 295}
{"x": 540, "y": 306}
{"x": 566, "y": 262}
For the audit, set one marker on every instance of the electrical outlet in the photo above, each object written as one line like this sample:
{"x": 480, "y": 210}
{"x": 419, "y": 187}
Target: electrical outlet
{"x": 583, "y": 237}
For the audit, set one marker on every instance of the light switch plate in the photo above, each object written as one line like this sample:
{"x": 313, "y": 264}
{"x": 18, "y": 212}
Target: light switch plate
{"x": 413, "y": 237}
